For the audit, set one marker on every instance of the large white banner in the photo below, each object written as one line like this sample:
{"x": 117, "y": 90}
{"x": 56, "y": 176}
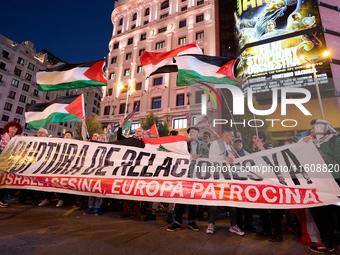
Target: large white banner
{"x": 293, "y": 176}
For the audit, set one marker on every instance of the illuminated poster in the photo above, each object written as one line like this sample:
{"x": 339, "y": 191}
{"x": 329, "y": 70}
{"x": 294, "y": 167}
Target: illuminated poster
{"x": 263, "y": 19}
{"x": 277, "y": 64}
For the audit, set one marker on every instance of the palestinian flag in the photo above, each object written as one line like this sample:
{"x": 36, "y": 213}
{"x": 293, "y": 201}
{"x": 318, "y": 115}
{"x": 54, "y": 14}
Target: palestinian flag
{"x": 175, "y": 144}
{"x": 127, "y": 122}
{"x": 152, "y": 130}
{"x": 201, "y": 68}
{"x": 72, "y": 76}
{"x": 162, "y": 62}
{"x": 62, "y": 109}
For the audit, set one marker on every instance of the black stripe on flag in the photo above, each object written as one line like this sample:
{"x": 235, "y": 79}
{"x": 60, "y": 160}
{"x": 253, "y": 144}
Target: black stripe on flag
{"x": 68, "y": 66}
{"x": 41, "y": 107}
{"x": 212, "y": 60}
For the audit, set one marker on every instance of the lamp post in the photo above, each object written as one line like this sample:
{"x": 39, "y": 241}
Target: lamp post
{"x": 311, "y": 63}
{"x": 129, "y": 88}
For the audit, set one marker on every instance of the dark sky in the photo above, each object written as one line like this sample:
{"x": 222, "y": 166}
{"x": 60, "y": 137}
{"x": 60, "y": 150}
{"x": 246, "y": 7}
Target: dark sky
{"x": 73, "y": 30}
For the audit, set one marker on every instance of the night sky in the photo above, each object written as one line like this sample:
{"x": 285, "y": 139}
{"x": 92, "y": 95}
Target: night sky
{"x": 74, "y": 30}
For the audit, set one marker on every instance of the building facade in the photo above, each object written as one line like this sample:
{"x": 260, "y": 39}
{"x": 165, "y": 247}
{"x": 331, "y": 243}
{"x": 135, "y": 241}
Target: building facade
{"x": 155, "y": 26}
{"x": 19, "y": 64}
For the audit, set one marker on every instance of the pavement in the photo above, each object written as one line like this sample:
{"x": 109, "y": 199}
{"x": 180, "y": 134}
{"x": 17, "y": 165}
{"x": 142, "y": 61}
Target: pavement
{"x": 27, "y": 229}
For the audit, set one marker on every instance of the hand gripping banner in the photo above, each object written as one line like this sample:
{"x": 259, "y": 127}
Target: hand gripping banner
{"x": 292, "y": 176}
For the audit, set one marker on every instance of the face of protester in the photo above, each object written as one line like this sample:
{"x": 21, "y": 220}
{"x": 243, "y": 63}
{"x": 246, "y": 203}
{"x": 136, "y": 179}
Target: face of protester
{"x": 312, "y": 131}
{"x": 139, "y": 133}
{"x": 193, "y": 135}
{"x": 206, "y": 138}
{"x": 238, "y": 145}
{"x": 228, "y": 137}
{"x": 95, "y": 137}
{"x": 146, "y": 134}
{"x": 68, "y": 136}
{"x": 101, "y": 138}
{"x": 12, "y": 130}
{"x": 41, "y": 133}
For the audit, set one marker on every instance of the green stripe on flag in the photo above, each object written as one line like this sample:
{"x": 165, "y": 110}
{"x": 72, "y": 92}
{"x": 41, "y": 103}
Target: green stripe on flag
{"x": 189, "y": 77}
{"x": 70, "y": 85}
{"x": 55, "y": 117}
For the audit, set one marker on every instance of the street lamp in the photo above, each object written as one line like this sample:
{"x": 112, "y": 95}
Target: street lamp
{"x": 129, "y": 89}
{"x": 311, "y": 63}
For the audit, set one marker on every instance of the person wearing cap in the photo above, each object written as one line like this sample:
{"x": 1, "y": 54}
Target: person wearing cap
{"x": 238, "y": 146}
{"x": 11, "y": 129}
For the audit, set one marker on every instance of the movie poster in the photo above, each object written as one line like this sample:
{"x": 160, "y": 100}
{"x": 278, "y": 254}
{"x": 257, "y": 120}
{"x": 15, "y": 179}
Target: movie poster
{"x": 257, "y": 20}
{"x": 277, "y": 64}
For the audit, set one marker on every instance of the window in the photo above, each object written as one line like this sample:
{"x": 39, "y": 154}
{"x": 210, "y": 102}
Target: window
{"x": 94, "y": 110}
{"x": 31, "y": 66}
{"x": 17, "y": 71}
{"x": 184, "y": 8}
{"x": 140, "y": 69}
{"x": 164, "y": 16}
{"x": 116, "y": 46}
{"x": 15, "y": 83}
{"x": 26, "y": 87}
{"x": 146, "y": 22}
{"x": 199, "y": 35}
{"x": 19, "y": 110}
{"x": 147, "y": 12}
{"x": 47, "y": 96}
{"x": 114, "y": 60}
{"x": 126, "y": 72}
{"x": 36, "y": 92}
{"x": 96, "y": 95}
{"x": 180, "y": 100}
{"x": 198, "y": 97}
{"x": 8, "y": 106}
{"x": 199, "y": 2}
{"x": 110, "y": 92}
{"x": 181, "y": 40}
{"x": 5, "y": 54}
{"x": 2, "y": 66}
{"x": 1, "y": 77}
{"x": 33, "y": 101}
{"x": 107, "y": 110}
{"x": 179, "y": 123}
{"x": 28, "y": 77}
{"x": 158, "y": 81}
{"x": 136, "y": 104}
{"x": 183, "y": 0}
{"x": 161, "y": 30}
{"x": 156, "y": 103}
{"x": 112, "y": 76}
{"x": 199, "y": 18}
{"x": 121, "y": 22}
{"x": 21, "y": 61}
{"x": 143, "y": 37}
{"x": 160, "y": 45}
{"x": 133, "y": 26}
{"x": 138, "y": 86}
{"x": 17, "y": 120}
{"x": 11, "y": 94}
{"x": 130, "y": 41}
{"x": 22, "y": 99}
{"x": 119, "y": 32}
{"x": 134, "y": 126}
{"x": 5, "y": 118}
{"x": 182, "y": 23}
{"x": 164, "y": 5}
{"x": 128, "y": 56}
{"x": 141, "y": 52}
{"x": 122, "y": 108}
{"x": 134, "y": 17}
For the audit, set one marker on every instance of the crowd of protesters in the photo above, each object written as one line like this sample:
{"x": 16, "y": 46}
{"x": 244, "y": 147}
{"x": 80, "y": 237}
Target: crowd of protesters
{"x": 225, "y": 147}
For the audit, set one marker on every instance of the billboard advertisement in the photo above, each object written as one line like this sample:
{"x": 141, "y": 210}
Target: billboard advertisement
{"x": 257, "y": 20}
{"x": 277, "y": 64}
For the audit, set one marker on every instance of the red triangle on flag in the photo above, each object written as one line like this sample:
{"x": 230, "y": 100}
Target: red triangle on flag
{"x": 153, "y": 130}
{"x": 95, "y": 72}
{"x": 76, "y": 107}
{"x": 228, "y": 70}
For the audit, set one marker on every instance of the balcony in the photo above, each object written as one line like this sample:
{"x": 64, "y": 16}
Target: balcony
{"x": 35, "y": 96}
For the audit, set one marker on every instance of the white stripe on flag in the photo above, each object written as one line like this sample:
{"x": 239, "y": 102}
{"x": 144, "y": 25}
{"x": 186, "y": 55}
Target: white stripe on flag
{"x": 57, "y": 77}
{"x": 32, "y": 116}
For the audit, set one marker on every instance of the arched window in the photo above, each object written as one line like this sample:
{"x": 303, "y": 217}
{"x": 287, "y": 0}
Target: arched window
{"x": 164, "y": 5}
{"x": 121, "y": 22}
{"x": 134, "y": 17}
{"x": 147, "y": 12}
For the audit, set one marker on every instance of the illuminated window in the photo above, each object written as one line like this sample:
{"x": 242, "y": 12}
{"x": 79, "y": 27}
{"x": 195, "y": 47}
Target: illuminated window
{"x": 179, "y": 123}
{"x": 128, "y": 56}
{"x": 28, "y": 77}
{"x": 31, "y": 66}
{"x": 114, "y": 60}
{"x": 141, "y": 51}
{"x": 19, "y": 110}
{"x": 160, "y": 45}
{"x": 164, "y": 16}
{"x": 181, "y": 40}
{"x": 180, "y": 100}
{"x": 15, "y": 83}
{"x": 164, "y": 5}
{"x": 147, "y": 12}
{"x": 140, "y": 69}
{"x": 158, "y": 81}
{"x": 21, "y": 61}
{"x": 112, "y": 76}
{"x": 199, "y": 35}
{"x": 156, "y": 103}
{"x": 126, "y": 72}
{"x": 161, "y": 30}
